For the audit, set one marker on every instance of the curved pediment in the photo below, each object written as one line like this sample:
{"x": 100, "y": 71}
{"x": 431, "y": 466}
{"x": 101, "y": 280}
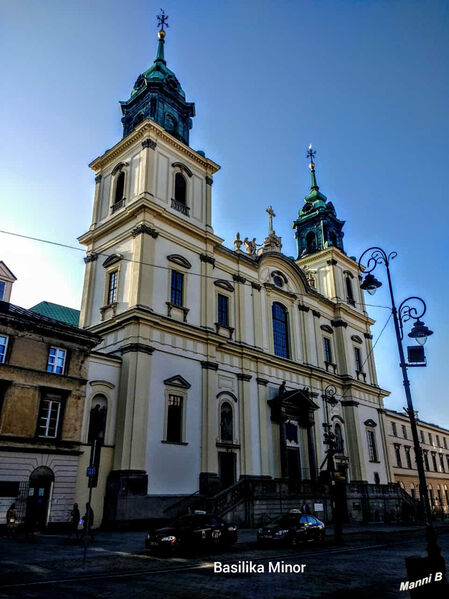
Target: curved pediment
{"x": 327, "y": 328}
{"x": 179, "y": 260}
{"x": 290, "y": 269}
{"x": 112, "y": 259}
{"x": 224, "y": 284}
{"x": 356, "y": 339}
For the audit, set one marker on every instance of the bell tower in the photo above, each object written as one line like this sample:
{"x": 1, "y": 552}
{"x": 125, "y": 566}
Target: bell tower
{"x": 317, "y": 226}
{"x": 158, "y": 95}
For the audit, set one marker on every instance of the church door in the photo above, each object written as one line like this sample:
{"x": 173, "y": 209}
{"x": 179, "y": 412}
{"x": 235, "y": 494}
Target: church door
{"x": 226, "y": 466}
{"x": 293, "y": 468}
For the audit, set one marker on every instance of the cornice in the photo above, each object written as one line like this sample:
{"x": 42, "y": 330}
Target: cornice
{"x": 143, "y": 130}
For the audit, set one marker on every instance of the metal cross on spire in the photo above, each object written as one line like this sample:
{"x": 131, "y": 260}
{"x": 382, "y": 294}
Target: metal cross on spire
{"x": 311, "y": 154}
{"x": 162, "y": 20}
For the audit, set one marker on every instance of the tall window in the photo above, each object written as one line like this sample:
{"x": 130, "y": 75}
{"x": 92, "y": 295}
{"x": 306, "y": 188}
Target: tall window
{"x": 56, "y": 360}
{"x": 372, "y": 448}
{"x": 119, "y": 187}
{"x": 441, "y": 462}
{"x": 430, "y": 439}
{"x": 444, "y": 442}
{"x": 339, "y": 445}
{"x": 394, "y": 429}
{"x": 358, "y": 359}
{"x": 180, "y": 188}
{"x": 177, "y": 280}
{"x": 174, "y": 418}
{"x": 223, "y": 309}
{"x": 438, "y": 440}
{"x": 226, "y": 424}
{"x": 280, "y": 330}
{"x": 397, "y": 451}
{"x": 432, "y": 498}
{"x": 408, "y": 457}
{"x": 446, "y": 494}
{"x": 349, "y": 291}
{"x": 3, "y": 347}
{"x": 440, "y": 499}
{"x": 49, "y": 418}
{"x": 404, "y": 431}
{"x": 421, "y": 434}
{"x": 327, "y": 350}
{"x": 112, "y": 287}
{"x": 413, "y": 491}
{"x": 2, "y": 289}
{"x": 426, "y": 460}
{"x": 434, "y": 461}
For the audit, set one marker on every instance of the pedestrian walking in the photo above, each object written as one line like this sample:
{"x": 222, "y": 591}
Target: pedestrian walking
{"x": 74, "y": 521}
{"x": 11, "y": 521}
{"x": 88, "y": 522}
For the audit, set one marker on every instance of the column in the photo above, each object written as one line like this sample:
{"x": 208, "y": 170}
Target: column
{"x": 246, "y": 441}
{"x": 143, "y": 255}
{"x": 96, "y": 206}
{"x": 264, "y": 422}
{"x": 208, "y": 295}
{"x": 147, "y": 167}
{"x": 208, "y": 215}
{"x": 383, "y": 434}
{"x": 341, "y": 358}
{"x": 257, "y": 315}
{"x": 88, "y": 289}
{"x": 239, "y": 300}
{"x": 209, "y": 426}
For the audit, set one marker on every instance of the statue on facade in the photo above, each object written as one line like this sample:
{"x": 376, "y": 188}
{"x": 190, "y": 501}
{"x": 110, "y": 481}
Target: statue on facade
{"x": 237, "y": 242}
{"x": 250, "y": 246}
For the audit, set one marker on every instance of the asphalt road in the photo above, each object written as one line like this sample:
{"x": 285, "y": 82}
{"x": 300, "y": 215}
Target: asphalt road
{"x": 370, "y": 565}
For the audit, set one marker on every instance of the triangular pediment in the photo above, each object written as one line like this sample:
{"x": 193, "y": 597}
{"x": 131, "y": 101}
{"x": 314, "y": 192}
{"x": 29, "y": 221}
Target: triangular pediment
{"x": 5, "y": 273}
{"x": 177, "y": 381}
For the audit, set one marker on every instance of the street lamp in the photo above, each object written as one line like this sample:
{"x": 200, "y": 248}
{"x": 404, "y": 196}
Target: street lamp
{"x": 407, "y": 311}
{"x": 330, "y": 440}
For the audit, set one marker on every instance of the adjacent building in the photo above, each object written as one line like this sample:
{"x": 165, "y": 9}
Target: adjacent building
{"x": 434, "y": 442}
{"x": 43, "y": 376}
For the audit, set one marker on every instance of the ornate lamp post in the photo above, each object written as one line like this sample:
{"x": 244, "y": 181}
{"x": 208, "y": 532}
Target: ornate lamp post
{"x": 412, "y": 308}
{"x": 329, "y": 440}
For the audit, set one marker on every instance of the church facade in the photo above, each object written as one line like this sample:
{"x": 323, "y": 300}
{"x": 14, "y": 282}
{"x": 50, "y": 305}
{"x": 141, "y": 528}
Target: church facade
{"x": 216, "y": 364}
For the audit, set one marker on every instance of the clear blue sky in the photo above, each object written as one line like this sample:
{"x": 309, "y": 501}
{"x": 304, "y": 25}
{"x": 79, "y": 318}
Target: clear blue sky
{"x": 365, "y": 81}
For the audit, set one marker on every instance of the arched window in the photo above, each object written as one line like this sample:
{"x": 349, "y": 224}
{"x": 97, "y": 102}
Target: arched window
{"x": 339, "y": 444}
{"x": 332, "y": 239}
{"x": 311, "y": 242}
{"x": 226, "y": 424}
{"x": 280, "y": 330}
{"x": 180, "y": 188}
{"x": 349, "y": 291}
{"x": 119, "y": 187}
{"x": 97, "y": 421}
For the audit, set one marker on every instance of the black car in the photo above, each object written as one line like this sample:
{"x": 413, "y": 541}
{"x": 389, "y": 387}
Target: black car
{"x": 291, "y": 529}
{"x": 192, "y": 531}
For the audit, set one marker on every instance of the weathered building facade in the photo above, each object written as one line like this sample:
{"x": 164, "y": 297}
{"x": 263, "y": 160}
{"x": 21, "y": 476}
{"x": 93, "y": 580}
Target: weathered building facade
{"x": 43, "y": 375}
{"x": 225, "y": 354}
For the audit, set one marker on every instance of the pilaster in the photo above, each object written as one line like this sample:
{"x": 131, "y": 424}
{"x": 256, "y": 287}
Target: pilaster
{"x": 353, "y": 434}
{"x": 246, "y": 440}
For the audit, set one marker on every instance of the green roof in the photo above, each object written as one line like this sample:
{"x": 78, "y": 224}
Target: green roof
{"x": 57, "y": 312}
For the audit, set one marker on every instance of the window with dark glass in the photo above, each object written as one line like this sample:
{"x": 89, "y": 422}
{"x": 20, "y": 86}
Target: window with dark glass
{"x": 446, "y": 494}
{"x": 2, "y": 289}
{"x": 358, "y": 359}
{"x": 421, "y": 434}
{"x": 397, "y": 451}
{"x": 3, "y": 348}
{"x": 432, "y": 498}
{"x": 441, "y": 462}
{"x": 426, "y": 460}
{"x": 97, "y": 419}
{"x": 180, "y": 188}
{"x": 444, "y": 442}
{"x": 174, "y": 418}
{"x": 376, "y": 478}
{"x": 447, "y": 460}
{"x": 56, "y": 360}
{"x": 408, "y": 457}
{"x": 430, "y": 438}
{"x": 49, "y": 419}
{"x": 278, "y": 281}
{"x": 413, "y": 492}
{"x": 327, "y": 350}
{"x": 438, "y": 440}
{"x": 404, "y": 431}
{"x": 311, "y": 242}
{"x": 112, "y": 287}
{"x": 280, "y": 330}
{"x": 119, "y": 187}
{"x": 226, "y": 424}
{"x": 372, "y": 448}
{"x": 434, "y": 461}
{"x": 223, "y": 309}
{"x": 440, "y": 499}
{"x": 177, "y": 280}
{"x": 394, "y": 429}
{"x": 349, "y": 291}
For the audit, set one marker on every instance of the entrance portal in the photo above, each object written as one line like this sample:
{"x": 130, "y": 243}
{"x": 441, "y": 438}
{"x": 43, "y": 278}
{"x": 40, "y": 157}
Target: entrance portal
{"x": 39, "y": 492}
{"x": 226, "y": 468}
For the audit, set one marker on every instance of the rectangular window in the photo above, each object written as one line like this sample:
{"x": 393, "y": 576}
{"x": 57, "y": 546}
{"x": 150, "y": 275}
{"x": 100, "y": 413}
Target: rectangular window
{"x": 404, "y": 431}
{"x": 327, "y": 350}
{"x": 421, "y": 433}
{"x": 434, "y": 461}
{"x": 446, "y": 494}
{"x": 49, "y": 417}
{"x": 408, "y": 457}
{"x": 426, "y": 460}
{"x": 174, "y": 418}
{"x": 413, "y": 492}
{"x": 441, "y": 462}
{"x": 372, "y": 449}
{"x": 438, "y": 441}
{"x": 56, "y": 360}
{"x": 447, "y": 460}
{"x": 397, "y": 451}
{"x": 444, "y": 442}
{"x": 177, "y": 280}
{"x": 440, "y": 499}
{"x": 112, "y": 287}
{"x": 2, "y": 289}
{"x": 430, "y": 438}
{"x": 394, "y": 429}
{"x": 3, "y": 347}
{"x": 223, "y": 310}
{"x": 358, "y": 359}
